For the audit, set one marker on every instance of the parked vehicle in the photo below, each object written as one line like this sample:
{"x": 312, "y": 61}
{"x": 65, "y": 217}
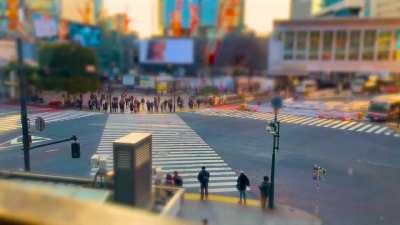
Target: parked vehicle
{"x": 306, "y": 87}
{"x": 384, "y": 108}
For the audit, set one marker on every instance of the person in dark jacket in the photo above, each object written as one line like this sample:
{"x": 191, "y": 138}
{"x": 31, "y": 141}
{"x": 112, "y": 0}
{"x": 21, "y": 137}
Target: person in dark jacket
{"x": 178, "y": 182}
{"x": 242, "y": 184}
{"x": 264, "y": 188}
{"x": 203, "y": 177}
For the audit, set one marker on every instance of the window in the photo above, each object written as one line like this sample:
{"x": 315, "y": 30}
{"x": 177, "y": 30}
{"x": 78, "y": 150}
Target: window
{"x": 384, "y": 42}
{"x": 369, "y": 45}
{"x": 327, "y": 45}
{"x": 301, "y": 45}
{"x": 354, "y": 50}
{"x": 314, "y": 45}
{"x": 340, "y": 42}
{"x": 288, "y": 45}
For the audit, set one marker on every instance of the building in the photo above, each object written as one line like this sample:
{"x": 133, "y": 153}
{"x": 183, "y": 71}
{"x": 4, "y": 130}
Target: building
{"x": 300, "y": 9}
{"x": 200, "y": 17}
{"x": 385, "y": 8}
{"x": 340, "y": 46}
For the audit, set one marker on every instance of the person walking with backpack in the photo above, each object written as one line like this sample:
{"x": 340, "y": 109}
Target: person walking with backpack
{"x": 264, "y": 188}
{"x": 242, "y": 184}
{"x": 203, "y": 177}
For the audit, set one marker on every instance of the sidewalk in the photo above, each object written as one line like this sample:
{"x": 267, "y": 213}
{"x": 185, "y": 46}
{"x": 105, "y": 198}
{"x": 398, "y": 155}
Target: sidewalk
{"x": 222, "y": 210}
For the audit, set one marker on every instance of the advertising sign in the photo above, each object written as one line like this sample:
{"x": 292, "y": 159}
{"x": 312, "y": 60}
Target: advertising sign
{"x": 8, "y": 52}
{"x": 44, "y": 6}
{"x": 398, "y": 45}
{"x": 88, "y": 36}
{"x": 166, "y": 51}
{"x": 45, "y": 26}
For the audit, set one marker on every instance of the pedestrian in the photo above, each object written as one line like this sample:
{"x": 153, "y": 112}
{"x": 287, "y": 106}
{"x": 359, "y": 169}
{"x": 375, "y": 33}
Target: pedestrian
{"x": 203, "y": 177}
{"x": 105, "y": 106}
{"x": 122, "y": 105}
{"x": 131, "y": 106}
{"x": 242, "y": 184}
{"x": 178, "y": 182}
{"x": 169, "y": 181}
{"x": 143, "y": 104}
{"x": 170, "y": 105}
{"x": 264, "y": 188}
{"x": 198, "y": 103}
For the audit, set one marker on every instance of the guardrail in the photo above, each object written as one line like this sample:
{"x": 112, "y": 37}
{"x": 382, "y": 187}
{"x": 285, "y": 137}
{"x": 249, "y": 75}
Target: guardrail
{"x": 174, "y": 202}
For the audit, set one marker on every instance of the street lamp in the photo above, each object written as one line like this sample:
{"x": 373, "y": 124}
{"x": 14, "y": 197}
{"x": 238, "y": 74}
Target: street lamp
{"x": 273, "y": 128}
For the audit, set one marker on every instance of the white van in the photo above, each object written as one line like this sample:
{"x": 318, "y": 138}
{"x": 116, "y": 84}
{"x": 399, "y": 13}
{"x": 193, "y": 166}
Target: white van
{"x": 384, "y": 108}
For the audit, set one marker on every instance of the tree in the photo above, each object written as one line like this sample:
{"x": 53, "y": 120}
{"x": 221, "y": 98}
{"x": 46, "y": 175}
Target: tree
{"x": 64, "y": 67}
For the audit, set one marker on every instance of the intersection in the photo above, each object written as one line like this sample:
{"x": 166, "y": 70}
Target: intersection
{"x": 227, "y": 142}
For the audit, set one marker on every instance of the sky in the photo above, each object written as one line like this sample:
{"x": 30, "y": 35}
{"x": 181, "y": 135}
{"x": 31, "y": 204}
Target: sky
{"x": 259, "y": 14}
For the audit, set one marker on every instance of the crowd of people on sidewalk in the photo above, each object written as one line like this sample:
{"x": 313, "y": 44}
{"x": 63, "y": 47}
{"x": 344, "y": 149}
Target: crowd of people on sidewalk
{"x": 203, "y": 177}
{"x": 132, "y": 104}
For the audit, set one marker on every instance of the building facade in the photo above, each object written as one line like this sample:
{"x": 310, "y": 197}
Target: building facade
{"x": 385, "y": 8}
{"x": 300, "y": 9}
{"x": 346, "y": 46}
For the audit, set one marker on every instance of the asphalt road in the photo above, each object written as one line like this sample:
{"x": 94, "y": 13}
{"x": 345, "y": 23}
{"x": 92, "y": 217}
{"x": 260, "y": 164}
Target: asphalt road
{"x": 361, "y": 187}
{"x": 56, "y": 159}
{"x": 362, "y": 183}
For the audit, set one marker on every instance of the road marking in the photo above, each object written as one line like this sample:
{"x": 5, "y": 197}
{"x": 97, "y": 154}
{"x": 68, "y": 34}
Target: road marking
{"x": 182, "y": 170}
{"x": 309, "y": 120}
{"x": 212, "y": 175}
{"x": 364, "y": 128}
{"x": 356, "y": 126}
{"x": 323, "y": 123}
{"x": 347, "y": 126}
{"x": 333, "y": 123}
{"x": 215, "y": 184}
{"x": 372, "y": 129}
{"x": 381, "y": 130}
{"x": 176, "y": 147}
{"x": 340, "y": 124}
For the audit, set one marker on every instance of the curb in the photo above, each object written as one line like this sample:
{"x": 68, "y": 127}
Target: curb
{"x": 222, "y": 199}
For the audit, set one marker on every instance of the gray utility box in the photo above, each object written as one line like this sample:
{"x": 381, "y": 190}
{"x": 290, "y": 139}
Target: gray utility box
{"x": 132, "y": 169}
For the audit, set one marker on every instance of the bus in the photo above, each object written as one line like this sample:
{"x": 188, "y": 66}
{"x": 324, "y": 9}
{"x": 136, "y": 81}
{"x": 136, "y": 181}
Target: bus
{"x": 384, "y": 108}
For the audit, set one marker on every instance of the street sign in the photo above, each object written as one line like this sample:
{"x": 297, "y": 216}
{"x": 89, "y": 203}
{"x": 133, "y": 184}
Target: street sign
{"x": 40, "y": 124}
{"x": 277, "y": 102}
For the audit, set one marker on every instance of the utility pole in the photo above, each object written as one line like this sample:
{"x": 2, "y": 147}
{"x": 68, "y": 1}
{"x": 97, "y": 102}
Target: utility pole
{"x": 22, "y": 88}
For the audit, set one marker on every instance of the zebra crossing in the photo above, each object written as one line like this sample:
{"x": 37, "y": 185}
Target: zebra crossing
{"x": 176, "y": 147}
{"x": 360, "y": 127}
{"x": 12, "y": 122}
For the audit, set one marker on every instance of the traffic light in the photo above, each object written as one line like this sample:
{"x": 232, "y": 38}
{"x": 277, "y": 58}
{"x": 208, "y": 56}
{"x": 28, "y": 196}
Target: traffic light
{"x": 75, "y": 150}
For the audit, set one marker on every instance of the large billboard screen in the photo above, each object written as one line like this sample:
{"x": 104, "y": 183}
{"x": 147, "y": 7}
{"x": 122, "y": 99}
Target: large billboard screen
{"x": 166, "y": 51}
{"x": 88, "y": 36}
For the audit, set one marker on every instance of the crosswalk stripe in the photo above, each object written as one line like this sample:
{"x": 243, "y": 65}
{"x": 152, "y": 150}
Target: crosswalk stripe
{"x": 303, "y": 120}
{"x": 310, "y": 120}
{"x": 332, "y": 123}
{"x": 356, "y": 126}
{"x": 211, "y": 184}
{"x": 372, "y": 129}
{"x": 321, "y": 121}
{"x": 212, "y": 174}
{"x": 162, "y": 159}
{"x": 182, "y": 170}
{"x": 347, "y": 126}
{"x": 364, "y": 127}
{"x": 340, "y": 124}
{"x": 212, "y": 179}
{"x": 176, "y": 147}
{"x": 381, "y": 130}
